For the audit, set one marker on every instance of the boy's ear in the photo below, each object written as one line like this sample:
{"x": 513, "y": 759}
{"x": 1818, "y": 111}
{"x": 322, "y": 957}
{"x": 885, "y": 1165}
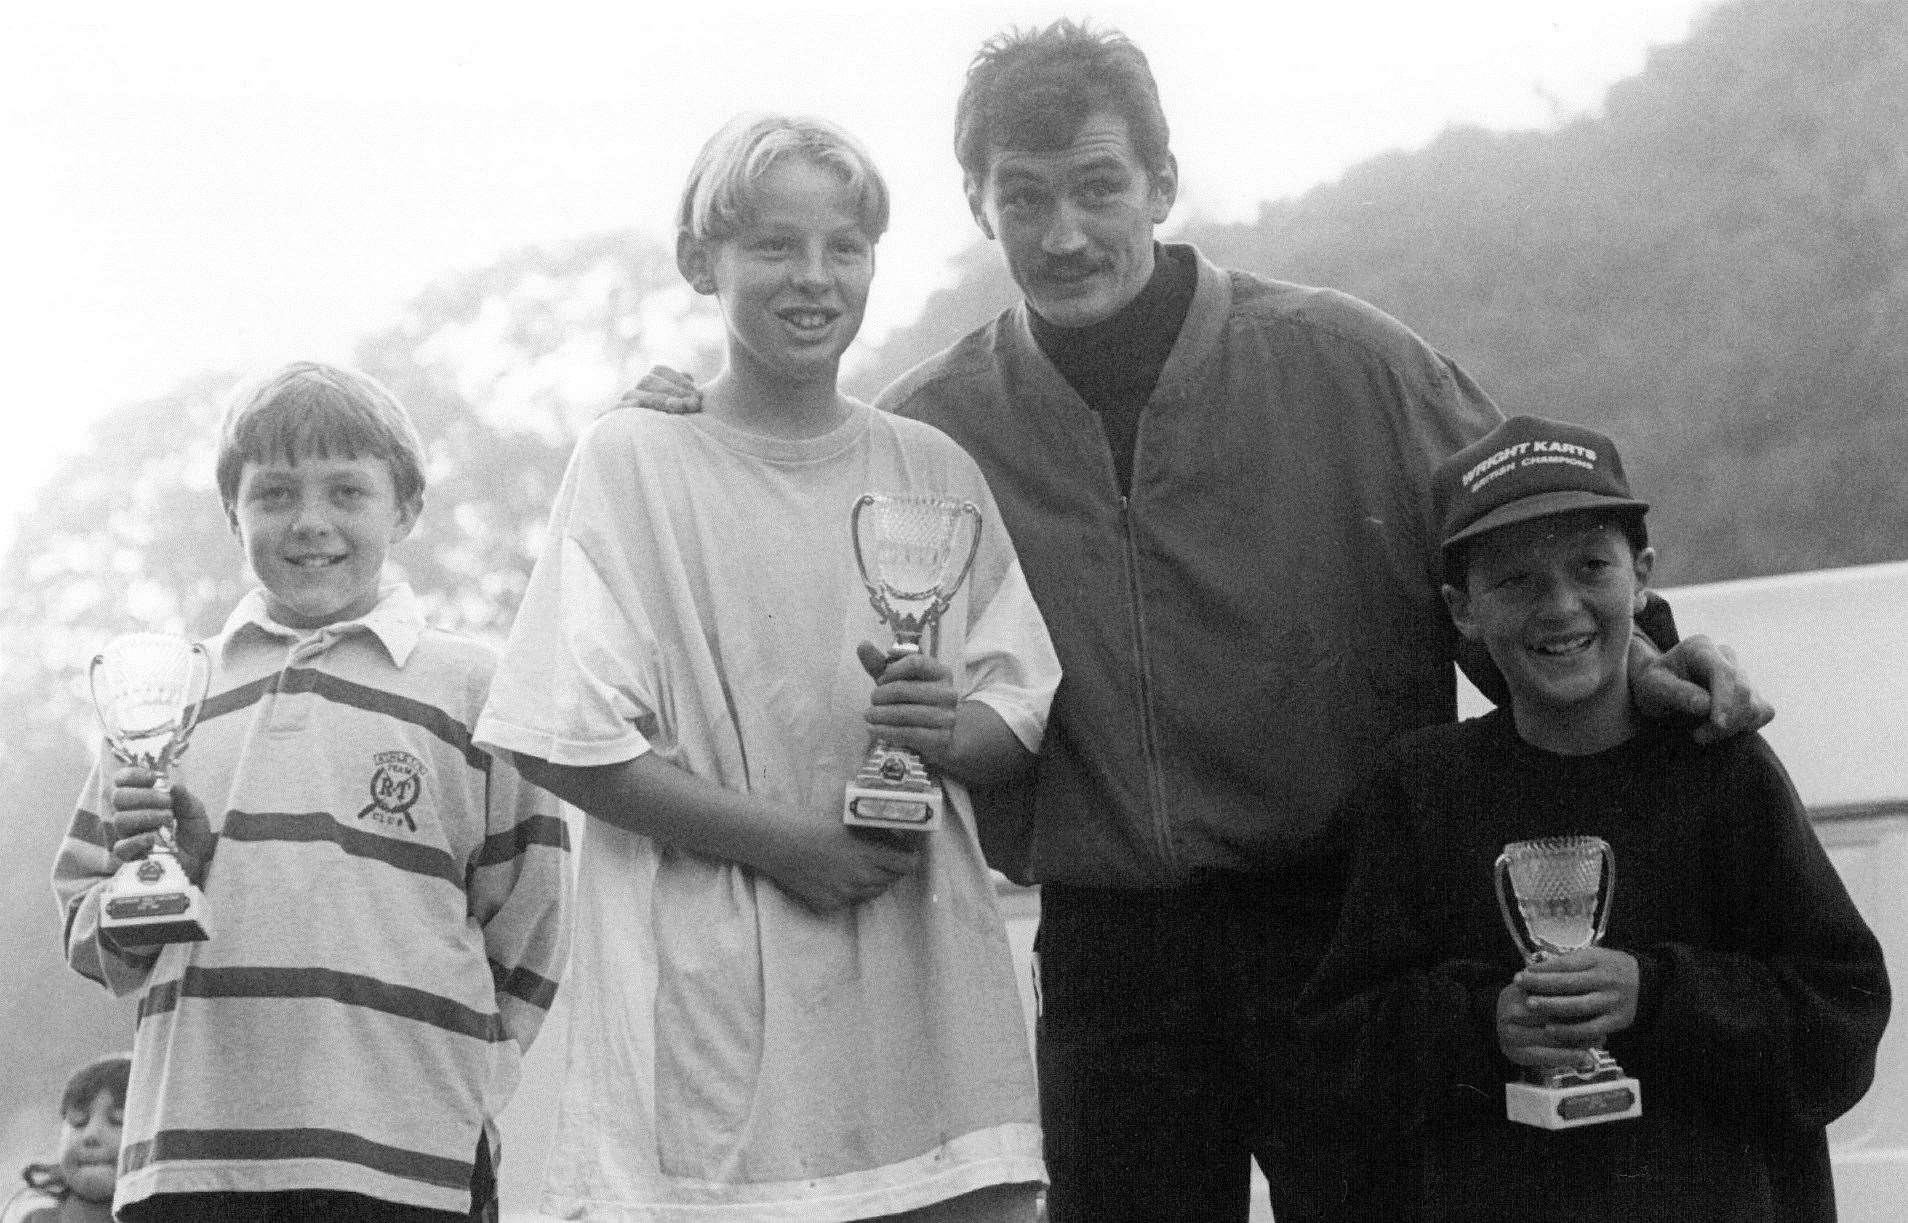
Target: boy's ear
{"x": 1643, "y": 562}
{"x": 408, "y": 513}
{"x": 976, "y": 204}
{"x": 1458, "y": 603}
{"x": 692, "y": 260}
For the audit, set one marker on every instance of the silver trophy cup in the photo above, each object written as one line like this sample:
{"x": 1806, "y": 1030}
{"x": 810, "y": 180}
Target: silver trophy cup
{"x": 148, "y": 689}
{"x": 913, "y": 553}
{"x": 1563, "y": 887}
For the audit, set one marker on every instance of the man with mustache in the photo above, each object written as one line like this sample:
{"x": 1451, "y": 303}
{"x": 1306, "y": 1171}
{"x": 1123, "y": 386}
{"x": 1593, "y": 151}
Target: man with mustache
{"x": 1219, "y": 485}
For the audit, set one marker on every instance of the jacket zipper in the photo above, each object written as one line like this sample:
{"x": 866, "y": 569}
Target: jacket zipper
{"x": 1155, "y": 780}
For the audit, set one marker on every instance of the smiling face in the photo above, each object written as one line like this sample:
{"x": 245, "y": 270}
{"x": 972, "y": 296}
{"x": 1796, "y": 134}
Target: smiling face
{"x": 1553, "y": 601}
{"x": 1076, "y": 224}
{"x": 316, "y": 531}
{"x": 89, "y": 1147}
{"x": 793, "y": 278}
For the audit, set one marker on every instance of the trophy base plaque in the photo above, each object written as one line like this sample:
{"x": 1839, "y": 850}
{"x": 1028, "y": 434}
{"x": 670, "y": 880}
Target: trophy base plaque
{"x": 892, "y": 790}
{"x": 1610, "y": 1096}
{"x": 151, "y": 902}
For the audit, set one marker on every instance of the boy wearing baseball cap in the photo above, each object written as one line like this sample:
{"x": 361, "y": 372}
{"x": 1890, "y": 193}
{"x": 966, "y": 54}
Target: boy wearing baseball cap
{"x": 1736, "y": 980}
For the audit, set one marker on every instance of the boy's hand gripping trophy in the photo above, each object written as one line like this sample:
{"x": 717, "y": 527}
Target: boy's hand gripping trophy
{"x": 1564, "y": 886}
{"x": 148, "y": 689}
{"x": 914, "y": 553}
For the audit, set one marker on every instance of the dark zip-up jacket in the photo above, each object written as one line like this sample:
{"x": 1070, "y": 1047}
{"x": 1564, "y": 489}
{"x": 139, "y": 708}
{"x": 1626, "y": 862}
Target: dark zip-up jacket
{"x": 1247, "y": 625}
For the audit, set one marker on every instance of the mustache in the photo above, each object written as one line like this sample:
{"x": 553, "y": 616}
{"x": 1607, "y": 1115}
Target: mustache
{"x": 1071, "y": 267}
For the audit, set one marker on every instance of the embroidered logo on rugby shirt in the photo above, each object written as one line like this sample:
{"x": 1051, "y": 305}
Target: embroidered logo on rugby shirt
{"x": 396, "y": 785}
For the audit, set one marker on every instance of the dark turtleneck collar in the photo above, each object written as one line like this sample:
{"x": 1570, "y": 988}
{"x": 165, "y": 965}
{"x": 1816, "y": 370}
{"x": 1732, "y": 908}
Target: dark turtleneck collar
{"x": 1114, "y": 364}
{"x": 1148, "y": 324}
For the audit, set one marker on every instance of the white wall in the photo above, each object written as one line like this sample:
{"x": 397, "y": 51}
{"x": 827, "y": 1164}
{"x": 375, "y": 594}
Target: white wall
{"x": 1830, "y": 651}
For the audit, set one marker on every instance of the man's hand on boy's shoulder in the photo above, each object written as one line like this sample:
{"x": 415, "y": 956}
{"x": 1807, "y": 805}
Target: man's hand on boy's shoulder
{"x": 140, "y": 811}
{"x": 1700, "y": 682}
{"x": 663, "y": 389}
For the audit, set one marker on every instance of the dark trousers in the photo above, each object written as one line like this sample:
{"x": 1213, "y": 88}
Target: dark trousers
{"x": 1167, "y": 1057}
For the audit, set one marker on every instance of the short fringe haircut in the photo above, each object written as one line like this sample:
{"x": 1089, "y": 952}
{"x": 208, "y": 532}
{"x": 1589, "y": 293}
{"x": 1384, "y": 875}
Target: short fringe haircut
{"x": 717, "y": 198}
{"x": 1031, "y": 90}
{"x": 1630, "y": 520}
{"x": 310, "y": 409}
{"x": 110, "y": 1073}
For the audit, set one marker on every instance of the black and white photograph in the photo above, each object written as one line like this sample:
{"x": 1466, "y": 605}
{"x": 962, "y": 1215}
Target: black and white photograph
{"x": 936, "y": 612}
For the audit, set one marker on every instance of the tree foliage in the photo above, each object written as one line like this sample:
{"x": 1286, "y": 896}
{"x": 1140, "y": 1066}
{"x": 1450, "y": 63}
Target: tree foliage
{"x": 1714, "y": 270}
{"x": 501, "y": 368}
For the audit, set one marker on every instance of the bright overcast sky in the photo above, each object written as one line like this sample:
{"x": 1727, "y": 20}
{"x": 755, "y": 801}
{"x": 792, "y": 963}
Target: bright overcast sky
{"x": 199, "y": 186}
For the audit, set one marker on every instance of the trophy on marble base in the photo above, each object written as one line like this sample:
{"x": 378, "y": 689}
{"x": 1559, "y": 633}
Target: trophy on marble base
{"x": 148, "y": 689}
{"x": 913, "y": 553}
{"x": 1563, "y": 887}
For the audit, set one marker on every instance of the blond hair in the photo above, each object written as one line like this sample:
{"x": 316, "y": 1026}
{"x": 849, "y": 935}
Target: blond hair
{"x": 717, "y": 199}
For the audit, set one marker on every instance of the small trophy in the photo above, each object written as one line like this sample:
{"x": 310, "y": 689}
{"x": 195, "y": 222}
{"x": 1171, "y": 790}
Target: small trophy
{"x": 1563, "y": 887}
{"x": 148, "y": 689}
{"x": 914, "y": 553}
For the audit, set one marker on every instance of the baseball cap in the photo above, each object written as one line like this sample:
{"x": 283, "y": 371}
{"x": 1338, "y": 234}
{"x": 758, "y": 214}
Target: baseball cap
{"x": 1528, "y": 467}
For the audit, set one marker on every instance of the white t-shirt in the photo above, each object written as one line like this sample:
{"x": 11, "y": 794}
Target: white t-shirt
{"x": 733, "y": 1054}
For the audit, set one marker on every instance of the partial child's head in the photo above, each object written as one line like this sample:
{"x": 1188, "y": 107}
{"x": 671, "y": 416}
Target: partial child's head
{"x": 1547, "y": 561}
{"x": 1064, "y": 158}
{"x": 92, "y": 1110}
{"x": 321, "y": 472}
{"x": 779, "y": 221}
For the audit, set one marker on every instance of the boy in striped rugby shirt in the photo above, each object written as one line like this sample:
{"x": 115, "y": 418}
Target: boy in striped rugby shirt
{"x": 388, "y": 900}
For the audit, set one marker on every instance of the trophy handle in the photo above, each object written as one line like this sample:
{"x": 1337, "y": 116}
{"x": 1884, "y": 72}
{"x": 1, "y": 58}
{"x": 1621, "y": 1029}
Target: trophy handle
{"x": 968, "y": 510}
{"x": 904, "y": 642}
{"x": 190, "y": 718}
{"x": 1500, "y": 876}
{"x": 161, "y": 781}
{"x": 1608, "y": 891}
{"x": 854, "y": 533}
{"x": 92, "y": 692}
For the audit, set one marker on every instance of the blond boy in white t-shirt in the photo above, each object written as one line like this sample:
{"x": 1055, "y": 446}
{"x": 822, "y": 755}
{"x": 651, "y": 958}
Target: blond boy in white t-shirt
{"x": 775, "y": 1016}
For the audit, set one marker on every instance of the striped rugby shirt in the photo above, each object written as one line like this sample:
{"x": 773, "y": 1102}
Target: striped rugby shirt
{"x": 388, "y": 906}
